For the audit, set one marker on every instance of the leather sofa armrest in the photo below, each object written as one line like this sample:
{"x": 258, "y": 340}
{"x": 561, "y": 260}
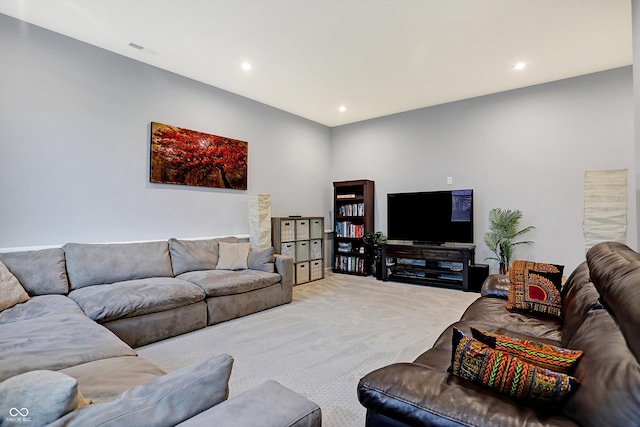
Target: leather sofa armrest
{"x": 284, "y": 267}
{"x": 268, "y": 404}
{"x": 496, "y": 286}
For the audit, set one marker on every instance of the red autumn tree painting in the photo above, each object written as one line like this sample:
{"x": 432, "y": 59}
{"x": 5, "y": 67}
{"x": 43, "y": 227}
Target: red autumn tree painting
{"x": 189, "y": 157}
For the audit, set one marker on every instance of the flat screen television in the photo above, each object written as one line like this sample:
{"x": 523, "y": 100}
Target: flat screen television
{"x": 431, "y": 217}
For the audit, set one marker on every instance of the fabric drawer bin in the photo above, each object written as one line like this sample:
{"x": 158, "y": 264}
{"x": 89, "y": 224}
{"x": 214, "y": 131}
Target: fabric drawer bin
{"x": 288, "y": 231}
{"x": 302, "y": 229}
{"x": 288, "y": 249}
{"x": 316, "y": 271}
{"x": 316, "y": 249}
{"x": 302, "y": 272}
{"x": 316, "y": 228}
{"x": 302, "y": 251}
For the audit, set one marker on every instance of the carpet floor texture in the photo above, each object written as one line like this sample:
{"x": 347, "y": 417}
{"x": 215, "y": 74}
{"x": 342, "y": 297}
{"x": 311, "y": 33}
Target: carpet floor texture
{"x": 334, "y": 332}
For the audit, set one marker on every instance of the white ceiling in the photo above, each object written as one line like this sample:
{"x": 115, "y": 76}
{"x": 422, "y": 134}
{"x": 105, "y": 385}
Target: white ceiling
{"x": 376, "y": 57}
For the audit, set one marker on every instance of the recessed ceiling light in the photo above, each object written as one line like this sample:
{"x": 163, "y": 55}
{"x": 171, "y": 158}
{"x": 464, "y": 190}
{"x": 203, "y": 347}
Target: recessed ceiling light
{"x": 519, "y": 66}
{"x": 246, "y": 66}
{"x": 342, "y": 108}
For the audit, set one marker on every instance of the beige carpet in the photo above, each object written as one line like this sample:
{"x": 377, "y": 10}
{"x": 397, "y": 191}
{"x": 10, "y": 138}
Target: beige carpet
{"x": 334, "y": 332}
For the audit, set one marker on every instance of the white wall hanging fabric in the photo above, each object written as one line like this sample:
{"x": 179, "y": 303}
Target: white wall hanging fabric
{"x": 260, "y": 221}
{"x": 605, "y": 206}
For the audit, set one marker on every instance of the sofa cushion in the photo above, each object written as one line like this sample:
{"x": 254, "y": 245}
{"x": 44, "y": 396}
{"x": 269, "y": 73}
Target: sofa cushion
{"x": 11, "y": 291}
{"x": 228, "y": 282}
{"x": 262, "y": 260}
{"x": 535, "y": 287}
{"x": 509, "y": 375}
{"x": 130, "y": 298}
{"x": 618, "y": 288}
{"x": 165, "y": 401}
{"x": 55, "y": 341}
{"x": 40, "y": 272}
{"x": 195, "y": 255}
{"x": 579, "y": 296}
{"x": 40, "y": 396}
{"x": 106, "y": 379}
{"x": 96, "y": 264}
{"x": 609, "y": 375}
{"x": 233, "y": 256}
{"x": 267, "y": 404}
{"x": 537, "y": 353}
{"x": 493, "y": 312}
{"x": 38, "y": 307}
{"x": 418, "y": 395}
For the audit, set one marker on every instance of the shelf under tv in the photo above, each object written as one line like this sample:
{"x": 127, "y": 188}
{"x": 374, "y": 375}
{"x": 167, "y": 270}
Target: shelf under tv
{"x": 437, "y": 265}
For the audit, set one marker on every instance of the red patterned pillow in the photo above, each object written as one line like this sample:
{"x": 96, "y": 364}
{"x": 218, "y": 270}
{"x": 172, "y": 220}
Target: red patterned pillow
{"x": 543, "y": 355}
{"x": 535, "y": 287}
{"x": 509, "y": 375}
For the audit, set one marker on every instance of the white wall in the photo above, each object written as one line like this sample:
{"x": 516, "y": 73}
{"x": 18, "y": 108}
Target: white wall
{"x": 74, "y": 151}
{"x": 524, "y": 149}
{"x": 74, "y": 148}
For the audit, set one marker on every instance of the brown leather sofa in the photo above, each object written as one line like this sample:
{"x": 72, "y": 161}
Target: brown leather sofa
{"x": 600, "y": 316}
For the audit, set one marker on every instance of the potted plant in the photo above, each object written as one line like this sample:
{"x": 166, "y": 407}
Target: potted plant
{"x": 503, "y": 231}
{"x": 375, "y": 242}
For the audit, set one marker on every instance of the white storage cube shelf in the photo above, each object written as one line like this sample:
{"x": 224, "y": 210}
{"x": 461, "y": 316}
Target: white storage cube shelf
{"x": 303, "y": 240}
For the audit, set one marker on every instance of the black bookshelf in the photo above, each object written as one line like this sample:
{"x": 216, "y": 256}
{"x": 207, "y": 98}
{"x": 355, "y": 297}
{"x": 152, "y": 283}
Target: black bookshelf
{"x": 353, "y": 212}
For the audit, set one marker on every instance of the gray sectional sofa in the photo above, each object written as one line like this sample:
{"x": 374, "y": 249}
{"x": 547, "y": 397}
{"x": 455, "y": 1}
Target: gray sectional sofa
{"x": 91, "y": 303}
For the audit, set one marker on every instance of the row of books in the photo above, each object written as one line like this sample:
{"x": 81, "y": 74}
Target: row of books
{"x": 352, "y": 209}
{"x": 350, "y": 263}
{"x": 348, "y": 229}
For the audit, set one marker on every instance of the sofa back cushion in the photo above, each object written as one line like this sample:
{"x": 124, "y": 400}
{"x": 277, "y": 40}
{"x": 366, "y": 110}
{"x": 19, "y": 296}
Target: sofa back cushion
{"x": 578, "y": 297}
{"x": 615, "y": 273}
{"x": 609, "y": 375}
{"x": 97, "y": 264}
{"x": 195, "y": 255}
{"x": 39, "y": 272}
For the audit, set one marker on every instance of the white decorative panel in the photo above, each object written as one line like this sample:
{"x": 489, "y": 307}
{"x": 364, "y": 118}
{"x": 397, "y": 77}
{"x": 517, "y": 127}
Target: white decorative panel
{"x": 605, "y": 206}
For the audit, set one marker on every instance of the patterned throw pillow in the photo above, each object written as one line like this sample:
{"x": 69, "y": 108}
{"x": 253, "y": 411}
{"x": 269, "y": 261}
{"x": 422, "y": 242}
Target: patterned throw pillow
{"x": 506, "y": 374}
{"x": 543, "y": 355}
{"x": 535, "y": 287}
{"x": 11, "y": 291}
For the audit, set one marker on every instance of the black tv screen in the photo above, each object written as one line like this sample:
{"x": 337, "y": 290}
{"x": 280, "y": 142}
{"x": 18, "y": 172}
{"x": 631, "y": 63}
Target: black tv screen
{"x": 433, "y": 217}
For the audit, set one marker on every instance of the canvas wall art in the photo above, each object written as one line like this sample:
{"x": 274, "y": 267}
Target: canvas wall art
{"x": 188, "y": 157}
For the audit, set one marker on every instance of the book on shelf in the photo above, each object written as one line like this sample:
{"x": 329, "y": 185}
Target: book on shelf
{"x": 350, "y": 230}
{"x": 353, "y": 209}
{"x": 346, "y": 196}
{"x": 351, "y": 264}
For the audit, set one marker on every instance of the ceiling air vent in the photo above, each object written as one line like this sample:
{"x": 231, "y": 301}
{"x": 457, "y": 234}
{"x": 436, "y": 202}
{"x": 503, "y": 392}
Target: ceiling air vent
{"x": 136, "y": 46}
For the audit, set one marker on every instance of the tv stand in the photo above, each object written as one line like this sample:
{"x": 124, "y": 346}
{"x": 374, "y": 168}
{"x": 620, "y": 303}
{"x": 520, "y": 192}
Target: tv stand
{"x": 426, "y": 243}
{"x": 445, "y": 265}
